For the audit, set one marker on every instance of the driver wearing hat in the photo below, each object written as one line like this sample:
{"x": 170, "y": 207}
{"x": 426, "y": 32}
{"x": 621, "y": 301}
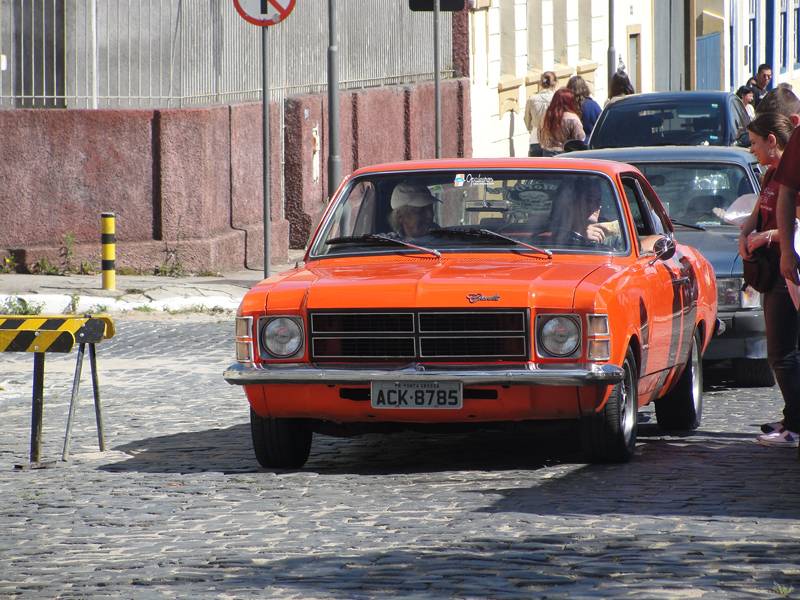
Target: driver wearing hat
{"x": 412, "y": 210}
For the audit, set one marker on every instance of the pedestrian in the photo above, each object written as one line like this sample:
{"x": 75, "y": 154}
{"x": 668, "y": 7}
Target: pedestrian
{"x": 761, "y": 83}
{"x": 769, "y": 134}
{"x": 620, "y": 86}
{"x": 561, "y": 123}
{"x": 745, "y": 94}
{"x": 535, "y": 108}
{"x": 781, "y": 100}
{"x": 589, "y": 109}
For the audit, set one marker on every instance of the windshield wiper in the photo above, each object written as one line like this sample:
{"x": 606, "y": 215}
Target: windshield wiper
{"x": 381, "y": 238}
{"x": 697, "y": 227}
{"x": 488, "y": 233}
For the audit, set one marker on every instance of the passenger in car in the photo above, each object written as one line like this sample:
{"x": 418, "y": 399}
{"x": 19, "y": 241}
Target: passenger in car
{"x": 575, "y": 216}
{"x": 412, "y": 213}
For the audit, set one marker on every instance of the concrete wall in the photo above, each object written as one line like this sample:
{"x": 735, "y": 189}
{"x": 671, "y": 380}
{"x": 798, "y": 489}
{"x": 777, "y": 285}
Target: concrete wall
{"x": 186, "y": 184}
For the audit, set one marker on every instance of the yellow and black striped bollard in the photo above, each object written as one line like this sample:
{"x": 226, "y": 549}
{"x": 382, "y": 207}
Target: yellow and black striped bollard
{"x": 109, "y": 241}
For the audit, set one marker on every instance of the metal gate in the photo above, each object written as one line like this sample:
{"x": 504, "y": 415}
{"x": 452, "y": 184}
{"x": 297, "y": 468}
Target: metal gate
{"x": 708, "y": 61}
{"x": 176, "y": 53}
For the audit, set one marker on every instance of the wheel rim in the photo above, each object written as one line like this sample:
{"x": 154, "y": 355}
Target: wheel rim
{"x": 696, "y": 381}
{"x": 627, "y": 408}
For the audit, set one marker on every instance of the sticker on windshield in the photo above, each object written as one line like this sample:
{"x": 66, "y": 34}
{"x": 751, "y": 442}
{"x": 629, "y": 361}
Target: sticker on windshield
{"x": 461, "y": 180}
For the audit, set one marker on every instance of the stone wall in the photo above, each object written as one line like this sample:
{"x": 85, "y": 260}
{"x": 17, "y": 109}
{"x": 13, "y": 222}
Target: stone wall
{"x": 186, "y": 184}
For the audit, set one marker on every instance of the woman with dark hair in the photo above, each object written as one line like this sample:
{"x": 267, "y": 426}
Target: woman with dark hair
{"x": 769, "y": 134}
{"x": 745, "y": 94}
{"x": 589, "y": 109}
{"x": 535, "y": 108}
{"x": 620, "y": 86}
{"x": 561, "y": 123}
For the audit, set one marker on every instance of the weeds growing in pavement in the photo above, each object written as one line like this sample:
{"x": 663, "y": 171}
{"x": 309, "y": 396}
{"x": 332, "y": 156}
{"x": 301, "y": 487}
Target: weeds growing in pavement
{"x": 16, "y": 305}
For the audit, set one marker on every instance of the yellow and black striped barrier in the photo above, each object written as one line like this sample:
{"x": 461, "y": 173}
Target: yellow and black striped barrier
{"x": 40, "y": 334}
{"x": 108, "y": 239}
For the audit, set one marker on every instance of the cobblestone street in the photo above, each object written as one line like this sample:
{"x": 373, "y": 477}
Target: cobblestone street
{"x": 178, "y": 507}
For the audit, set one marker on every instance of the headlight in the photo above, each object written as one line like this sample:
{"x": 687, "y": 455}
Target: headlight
{"x": 731, "y": 295}
{"x": 559, "y": 335}
{"x": 282, "y": 337}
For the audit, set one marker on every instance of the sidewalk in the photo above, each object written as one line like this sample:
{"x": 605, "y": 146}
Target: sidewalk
{"x": 58, "y": 294}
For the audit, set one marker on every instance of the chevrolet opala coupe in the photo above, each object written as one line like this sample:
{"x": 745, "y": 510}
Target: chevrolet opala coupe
{"x": 479, "y": 292}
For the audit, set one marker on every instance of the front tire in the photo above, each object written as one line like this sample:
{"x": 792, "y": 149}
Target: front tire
{"x": 280, "y": 443}
{"x": 610, "y": 435}
{"x": 682, "y": 408}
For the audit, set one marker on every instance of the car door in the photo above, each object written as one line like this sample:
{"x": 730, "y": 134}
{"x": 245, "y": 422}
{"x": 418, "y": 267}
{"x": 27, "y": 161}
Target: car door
{"x": 737, "y": 119}
{"x": 669, "y": 297}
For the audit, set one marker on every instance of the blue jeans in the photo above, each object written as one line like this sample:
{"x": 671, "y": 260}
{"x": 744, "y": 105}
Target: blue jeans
{"x": 782, "y": 323}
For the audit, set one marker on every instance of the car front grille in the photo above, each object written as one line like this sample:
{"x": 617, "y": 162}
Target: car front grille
{"x": 429, "y": 335}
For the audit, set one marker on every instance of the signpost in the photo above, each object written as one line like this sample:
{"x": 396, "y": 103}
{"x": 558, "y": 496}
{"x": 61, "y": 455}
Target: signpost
{"x": 436, "y": 6}
{"x": 265, "y": 13}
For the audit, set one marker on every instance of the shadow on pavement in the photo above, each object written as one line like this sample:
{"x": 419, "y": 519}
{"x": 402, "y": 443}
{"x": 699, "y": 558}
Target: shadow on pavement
{"x": 708, "y": 473}
{"x": 657, "y": 565}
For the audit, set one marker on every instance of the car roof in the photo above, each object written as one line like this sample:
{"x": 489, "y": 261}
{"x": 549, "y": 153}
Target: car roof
{"x": 475, "y": 164}
{"x": 669, "y": 153}
{"x": 681, "y": 96}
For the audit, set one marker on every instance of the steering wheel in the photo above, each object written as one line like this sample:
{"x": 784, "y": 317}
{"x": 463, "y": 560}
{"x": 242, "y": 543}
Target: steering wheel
{"x": 580, "y": 239}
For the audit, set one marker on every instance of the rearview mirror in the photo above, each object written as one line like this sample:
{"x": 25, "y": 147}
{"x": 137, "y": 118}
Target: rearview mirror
{"x": 575, "y": 145}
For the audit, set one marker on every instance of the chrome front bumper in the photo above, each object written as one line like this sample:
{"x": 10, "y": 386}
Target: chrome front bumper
{"x": 586, "y": 374}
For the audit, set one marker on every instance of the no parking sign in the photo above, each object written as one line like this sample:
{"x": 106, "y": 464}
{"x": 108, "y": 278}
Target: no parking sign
{"x": 264, "y": 12}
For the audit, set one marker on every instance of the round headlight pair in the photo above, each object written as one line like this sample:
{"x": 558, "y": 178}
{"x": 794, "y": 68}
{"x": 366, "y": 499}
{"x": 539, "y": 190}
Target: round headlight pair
{"x": 282, "y": 337}
{"x": 560, "y": 336}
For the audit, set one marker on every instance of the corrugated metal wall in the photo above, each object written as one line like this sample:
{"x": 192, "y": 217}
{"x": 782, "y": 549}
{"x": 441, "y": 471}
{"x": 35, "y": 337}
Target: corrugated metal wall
{"x": 175, "y": 53}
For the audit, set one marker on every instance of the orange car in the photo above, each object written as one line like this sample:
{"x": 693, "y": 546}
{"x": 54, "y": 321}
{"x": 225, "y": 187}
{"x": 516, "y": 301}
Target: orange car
{"x": 480, "y": 291}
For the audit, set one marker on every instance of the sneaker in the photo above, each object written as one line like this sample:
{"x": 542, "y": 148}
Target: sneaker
{"x": 779, "y": 439}
{"x": 777, "y": 426}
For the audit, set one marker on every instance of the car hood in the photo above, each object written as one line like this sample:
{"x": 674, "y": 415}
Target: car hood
{"x": 476, "y": 282}
{"x": 719, "y": 246}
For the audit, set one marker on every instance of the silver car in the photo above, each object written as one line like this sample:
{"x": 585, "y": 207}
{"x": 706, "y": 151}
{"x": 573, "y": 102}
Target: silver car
{"x": 696, "y": 184}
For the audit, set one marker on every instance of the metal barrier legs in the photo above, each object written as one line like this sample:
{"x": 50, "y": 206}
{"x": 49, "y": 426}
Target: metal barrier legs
{"x": 73, "y": 401}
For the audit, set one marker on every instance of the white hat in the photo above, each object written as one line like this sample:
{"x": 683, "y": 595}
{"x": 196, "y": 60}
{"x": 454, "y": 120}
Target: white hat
{"x": 411, "y": 194}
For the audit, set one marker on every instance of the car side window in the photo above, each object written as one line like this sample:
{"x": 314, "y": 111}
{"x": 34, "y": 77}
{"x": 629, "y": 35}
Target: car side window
{"x": 660, "y": 220}
{"x": 635, "y": 202}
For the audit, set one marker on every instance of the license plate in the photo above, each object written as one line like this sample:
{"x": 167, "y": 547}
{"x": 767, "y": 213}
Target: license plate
{"x": 416, "y": 394}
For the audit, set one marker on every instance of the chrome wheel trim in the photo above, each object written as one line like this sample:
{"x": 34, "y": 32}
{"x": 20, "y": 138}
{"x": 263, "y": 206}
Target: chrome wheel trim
{"x": 627, "y": 404}
{"x": 697, "y": 391}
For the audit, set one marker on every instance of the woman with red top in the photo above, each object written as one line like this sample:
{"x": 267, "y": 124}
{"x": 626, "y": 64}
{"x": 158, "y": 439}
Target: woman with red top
{"x": 769, "y": 134}
{"x": 561, "y": 123}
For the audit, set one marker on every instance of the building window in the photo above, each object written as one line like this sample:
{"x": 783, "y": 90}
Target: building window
{"x": 585, "y": 30}
{"x": 535, "y": 50}
{"x": 508, "y": 46}
{"x": 560, "y": 32}
{"x": 751, "y": 56}
{"x": 783, "y": 37}
{"x": 797, "y": 33}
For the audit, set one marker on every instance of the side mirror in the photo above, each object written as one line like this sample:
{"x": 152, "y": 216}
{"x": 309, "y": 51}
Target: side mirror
{"x": 574, "y": 145}
{"x": 743, "y": 139}
{"x": 664, "y": 248}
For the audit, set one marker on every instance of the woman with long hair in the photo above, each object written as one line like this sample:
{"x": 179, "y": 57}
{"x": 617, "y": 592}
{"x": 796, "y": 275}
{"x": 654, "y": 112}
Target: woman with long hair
{"x": 589, "y": 109}
{"x": 561, "y": 123}
{"x": 620, "y": 86}
{"x": 769, "y": 134}
{"x": 535, "y": 108}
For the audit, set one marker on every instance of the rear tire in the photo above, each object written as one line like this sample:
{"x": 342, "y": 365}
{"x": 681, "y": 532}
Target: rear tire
{"x": 280, "y": 443}
{"x": 752, "y": 372}
{"x": 610, "y": 435}
{"x": 682, "y": 408}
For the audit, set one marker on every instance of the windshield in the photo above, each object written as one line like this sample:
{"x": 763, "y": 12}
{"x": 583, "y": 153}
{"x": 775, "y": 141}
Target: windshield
{"x": 434, "y": 211}
{"x": 686, "y": 124}
{"x": 697, "y": 193}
